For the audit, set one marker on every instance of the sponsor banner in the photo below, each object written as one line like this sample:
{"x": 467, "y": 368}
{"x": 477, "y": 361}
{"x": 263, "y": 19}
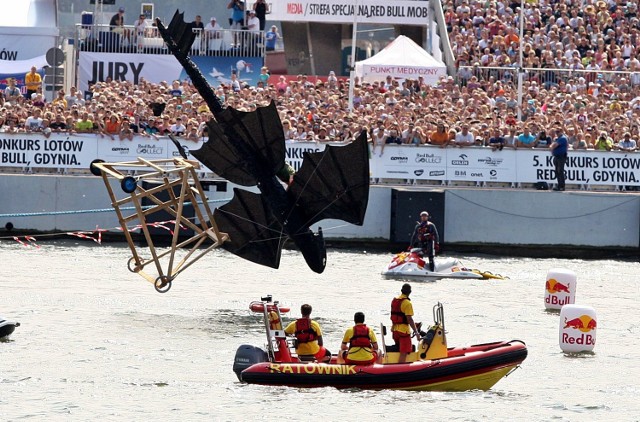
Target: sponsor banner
{"x": 400, "y": 162}
{"x": 144, "y": 147}
{"x": 508, "y": 166}
{"x": 94, "y": 67}
{"x": 338, "y": 11}
{"x": 396, "y": 162}
{"x": 480, "y": 165}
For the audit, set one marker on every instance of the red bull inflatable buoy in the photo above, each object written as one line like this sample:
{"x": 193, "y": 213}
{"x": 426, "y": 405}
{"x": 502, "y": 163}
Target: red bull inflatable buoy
{"x": 560, "y": 288}
{"x": 578, "y": 326}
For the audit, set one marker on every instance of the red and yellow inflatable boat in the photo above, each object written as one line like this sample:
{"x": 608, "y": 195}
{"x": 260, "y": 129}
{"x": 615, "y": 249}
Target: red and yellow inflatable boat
{"x": 432, "y": 367}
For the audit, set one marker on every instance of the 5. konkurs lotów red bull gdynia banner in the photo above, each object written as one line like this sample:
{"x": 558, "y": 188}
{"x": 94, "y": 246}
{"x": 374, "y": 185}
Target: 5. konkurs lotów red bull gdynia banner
{"x": 473, "y": 164}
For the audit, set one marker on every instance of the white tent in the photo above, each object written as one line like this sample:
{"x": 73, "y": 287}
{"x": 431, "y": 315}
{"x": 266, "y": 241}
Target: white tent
{"x": 402, "y": 59}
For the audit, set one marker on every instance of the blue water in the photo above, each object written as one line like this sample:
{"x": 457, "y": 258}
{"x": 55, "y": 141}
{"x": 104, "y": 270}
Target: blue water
{"x": 98, "y": 343}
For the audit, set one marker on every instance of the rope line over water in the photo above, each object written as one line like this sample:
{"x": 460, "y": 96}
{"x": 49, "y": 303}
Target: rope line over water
{"x": 91, "y": 211}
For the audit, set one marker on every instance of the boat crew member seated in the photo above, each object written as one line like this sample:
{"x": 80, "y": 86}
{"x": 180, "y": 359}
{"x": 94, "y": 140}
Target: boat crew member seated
{"x": 425, "y": 236}
{"x": 359, "y": 344}
{"x": 308, "y": 337}
{"x": 402, "y": 319}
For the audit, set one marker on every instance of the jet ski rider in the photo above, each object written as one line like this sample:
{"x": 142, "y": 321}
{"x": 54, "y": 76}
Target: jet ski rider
{"x": 425, "y": 236}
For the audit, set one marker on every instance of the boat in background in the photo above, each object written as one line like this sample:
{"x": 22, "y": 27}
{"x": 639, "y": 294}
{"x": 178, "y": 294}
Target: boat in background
{"x": 7, "y": 327}
{"x": 432, "y": 367}
{"x": 411, "y": 264}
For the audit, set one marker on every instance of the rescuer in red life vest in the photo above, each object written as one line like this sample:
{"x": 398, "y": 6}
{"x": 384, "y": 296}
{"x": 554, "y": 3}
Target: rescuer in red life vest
{"x": 425, "y": 236}
{"x": 359, "y": 344}
{"x": 402, "y": 318}
{"x": 309, "y": 337}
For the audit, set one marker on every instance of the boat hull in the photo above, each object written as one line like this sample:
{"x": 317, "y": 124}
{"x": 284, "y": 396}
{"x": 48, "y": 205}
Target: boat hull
{"x": 475, "y": 367}
{"x": 7, "y": 328}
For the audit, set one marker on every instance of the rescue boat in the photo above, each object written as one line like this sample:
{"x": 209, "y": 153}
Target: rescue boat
{"x": 7, "y": 327}
{"x": 411, "y": 264}
{"x": 431, "y": 367}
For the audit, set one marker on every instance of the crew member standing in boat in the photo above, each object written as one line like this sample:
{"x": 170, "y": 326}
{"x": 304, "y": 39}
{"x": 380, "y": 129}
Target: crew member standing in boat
{"x": 402, "y": 318}
{"x": 359, "y": 344}
{"x": 309, "y": 337}
{"x": 425, "y": 236}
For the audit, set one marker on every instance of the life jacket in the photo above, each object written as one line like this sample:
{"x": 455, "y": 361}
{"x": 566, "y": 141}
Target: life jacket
{"x": 425, "y": 234}
{"x": 304, "y": 332}
{"x": 397, "y": 316}
{"x": 360, "y": 337}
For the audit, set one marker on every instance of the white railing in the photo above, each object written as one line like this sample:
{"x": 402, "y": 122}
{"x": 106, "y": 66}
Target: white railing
{"x": 126, "y": 39}
{"x": 545, "y": 77}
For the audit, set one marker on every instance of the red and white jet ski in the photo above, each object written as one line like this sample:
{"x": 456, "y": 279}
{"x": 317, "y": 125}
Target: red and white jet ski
{"x": 412, "y": 264}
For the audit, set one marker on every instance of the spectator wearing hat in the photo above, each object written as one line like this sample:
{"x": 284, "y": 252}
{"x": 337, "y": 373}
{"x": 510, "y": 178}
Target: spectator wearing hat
{"x": 253, "y": 23}
{"x": 116, "y": 24}
{"x": 212, "y": 29}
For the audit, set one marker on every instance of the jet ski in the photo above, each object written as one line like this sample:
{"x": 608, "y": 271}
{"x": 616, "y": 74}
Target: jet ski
{"x": 7, "y": 327}
{"x": 412, "y": 264}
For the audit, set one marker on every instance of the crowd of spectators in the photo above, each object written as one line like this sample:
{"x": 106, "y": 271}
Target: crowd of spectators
{"x": 569, "y": 34}
{"x": 588, "y": 85}
{"x": 391, "y": 112}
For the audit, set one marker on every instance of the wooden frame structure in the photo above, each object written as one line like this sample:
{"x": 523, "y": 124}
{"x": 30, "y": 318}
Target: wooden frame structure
{"x": 170, "y": 174}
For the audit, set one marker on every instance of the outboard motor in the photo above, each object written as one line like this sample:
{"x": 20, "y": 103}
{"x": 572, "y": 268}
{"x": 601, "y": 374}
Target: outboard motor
{"x": 247, "y": 356}
{"x": 7, "y": 327}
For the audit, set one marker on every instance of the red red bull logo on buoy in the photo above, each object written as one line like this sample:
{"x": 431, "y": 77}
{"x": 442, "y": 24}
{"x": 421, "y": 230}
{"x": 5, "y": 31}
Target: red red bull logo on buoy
{"x": 583, "y": 323}
{"x": 554, "y": 286}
